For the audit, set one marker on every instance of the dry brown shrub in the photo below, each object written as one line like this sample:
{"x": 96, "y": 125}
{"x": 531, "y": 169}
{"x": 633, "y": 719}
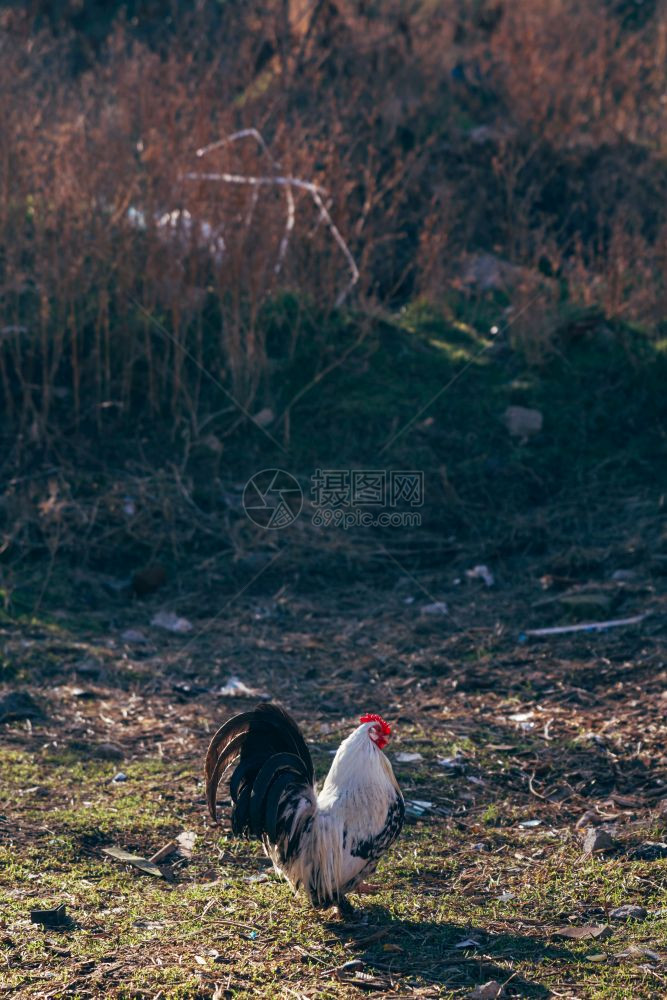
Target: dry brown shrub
{"x": 533, "y": 131}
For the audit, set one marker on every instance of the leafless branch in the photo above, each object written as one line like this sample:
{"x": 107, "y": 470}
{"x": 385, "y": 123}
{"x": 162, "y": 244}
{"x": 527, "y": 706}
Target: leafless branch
{"x": 287, "y": 182}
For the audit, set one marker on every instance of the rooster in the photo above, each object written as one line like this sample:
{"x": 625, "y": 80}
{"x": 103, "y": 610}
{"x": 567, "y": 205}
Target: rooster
{"x": 322, "y": 843}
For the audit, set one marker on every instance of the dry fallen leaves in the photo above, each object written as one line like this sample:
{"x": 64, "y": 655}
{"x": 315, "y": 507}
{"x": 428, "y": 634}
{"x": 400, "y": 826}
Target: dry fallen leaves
{"x": 597, "y": 931}
{"x": 143, "y": 864}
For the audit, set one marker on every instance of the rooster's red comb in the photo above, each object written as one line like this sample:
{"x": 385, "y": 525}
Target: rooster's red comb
{"x": 369, "y": 717}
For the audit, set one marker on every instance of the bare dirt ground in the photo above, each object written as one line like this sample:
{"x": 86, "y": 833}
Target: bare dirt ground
{"x": 525, "y": 745}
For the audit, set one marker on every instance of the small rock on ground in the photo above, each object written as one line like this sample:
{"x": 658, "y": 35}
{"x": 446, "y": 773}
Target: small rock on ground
{"x": 628, "y": 912}
{"x": 597, "y": 840}
{"x": 488, "y": 991}
{"x": 19, "y": 705}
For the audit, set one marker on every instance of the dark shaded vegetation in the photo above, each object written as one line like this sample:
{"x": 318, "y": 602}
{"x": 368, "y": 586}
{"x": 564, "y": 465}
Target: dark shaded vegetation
{"x": 497, "y": 173}
{"x": 440, "y": 133}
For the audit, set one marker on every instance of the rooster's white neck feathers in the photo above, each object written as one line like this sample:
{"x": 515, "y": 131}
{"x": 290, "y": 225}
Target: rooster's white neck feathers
{"x": 358, "y": 760}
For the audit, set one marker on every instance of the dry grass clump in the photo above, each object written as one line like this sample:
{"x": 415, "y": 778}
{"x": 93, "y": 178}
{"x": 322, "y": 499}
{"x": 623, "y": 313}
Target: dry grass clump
{"x": 532, "y": 131}
{"x": 135, "y": 274}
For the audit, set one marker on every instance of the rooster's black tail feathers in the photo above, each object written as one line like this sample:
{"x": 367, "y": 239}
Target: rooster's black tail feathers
{"x": 273, "y": 761}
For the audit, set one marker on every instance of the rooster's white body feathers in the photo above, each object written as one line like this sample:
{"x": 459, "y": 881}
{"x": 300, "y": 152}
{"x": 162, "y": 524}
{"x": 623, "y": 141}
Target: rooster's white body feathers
{"x": 322, "y": 843}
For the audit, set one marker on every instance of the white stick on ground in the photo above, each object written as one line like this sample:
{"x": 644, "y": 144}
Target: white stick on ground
{"x": 588, "y": 626}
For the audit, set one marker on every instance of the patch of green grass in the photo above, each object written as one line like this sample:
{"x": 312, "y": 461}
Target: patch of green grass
{"x": 208, "y": 924}
{"x": 427, "y": 388}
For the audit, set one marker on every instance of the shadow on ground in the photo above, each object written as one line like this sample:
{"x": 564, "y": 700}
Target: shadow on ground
{"x": 432, "y": 951}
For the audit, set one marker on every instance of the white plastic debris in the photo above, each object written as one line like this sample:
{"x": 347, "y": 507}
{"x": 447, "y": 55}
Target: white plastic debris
{"x": 265, "y": 417}
{"x": 522, "y": 422}
{"x": 468, "y": 943}
{"x": 12, "y": 329}
{"x": 171, "y": 622}
{"x": 236, "y": 688}
{"x": 134, "y": 636}
{"x": 455, "y": 763}
{"x": 416, "y": 808}
{"x": 437, "y": 608}
{"x": 481, "y": 572}
{"x": 136, "y": 217}
{"x": 493, "y": 990}
{"x": 523, "y": 720}
{"x": 407, "y": 758}
{"x": 180, "y": 225}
